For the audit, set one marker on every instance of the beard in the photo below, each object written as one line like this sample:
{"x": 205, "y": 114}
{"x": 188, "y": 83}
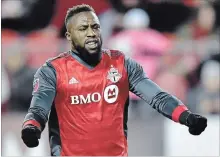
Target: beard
{"x": 90, "y": 56}
{"x": 89, "y": 52}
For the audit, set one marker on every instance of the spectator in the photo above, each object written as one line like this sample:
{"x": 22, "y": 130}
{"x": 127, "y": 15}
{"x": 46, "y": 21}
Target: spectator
{"x": 21, "y": 78}
{"x": 209, "y": 95}
{"x": 199, "y": 84}
{"x": 201, "y": 26}
{"x": 116, "y": 13}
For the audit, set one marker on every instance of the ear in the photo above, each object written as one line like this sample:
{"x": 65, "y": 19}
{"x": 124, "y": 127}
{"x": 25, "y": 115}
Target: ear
{"x": 68, "y": 36}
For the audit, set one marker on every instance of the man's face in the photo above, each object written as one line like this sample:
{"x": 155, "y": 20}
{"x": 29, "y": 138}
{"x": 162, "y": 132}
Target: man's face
{"x": 84, "y": 32}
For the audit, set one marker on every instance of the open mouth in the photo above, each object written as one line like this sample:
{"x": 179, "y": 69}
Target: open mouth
{"x": 92, "y": 43}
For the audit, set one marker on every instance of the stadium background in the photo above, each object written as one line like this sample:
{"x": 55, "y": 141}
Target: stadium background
{"x": 176, "y": 41}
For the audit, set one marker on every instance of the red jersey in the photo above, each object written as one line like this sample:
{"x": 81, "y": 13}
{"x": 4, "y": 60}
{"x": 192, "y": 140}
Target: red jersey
{"x": 90, "y": 105}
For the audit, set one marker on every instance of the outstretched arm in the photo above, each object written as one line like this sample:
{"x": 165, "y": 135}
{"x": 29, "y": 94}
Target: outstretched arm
{"x": 43, "y": 96}
{"x": 165, "y": 103}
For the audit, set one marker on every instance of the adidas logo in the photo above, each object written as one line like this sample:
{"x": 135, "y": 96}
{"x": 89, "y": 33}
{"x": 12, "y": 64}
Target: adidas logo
{"x": 73, "y": 81}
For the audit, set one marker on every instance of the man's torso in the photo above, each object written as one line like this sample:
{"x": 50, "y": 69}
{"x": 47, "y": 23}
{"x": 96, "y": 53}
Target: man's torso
{"x": 90, "y": 104}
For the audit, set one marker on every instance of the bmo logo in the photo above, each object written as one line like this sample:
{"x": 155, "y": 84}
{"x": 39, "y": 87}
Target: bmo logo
{"x": 110, "y": 96}
{"x": 111, "y": 93}
{"x": 81, "y": 99}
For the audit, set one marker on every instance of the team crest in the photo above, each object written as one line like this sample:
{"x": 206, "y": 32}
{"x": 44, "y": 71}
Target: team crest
{"x": 113, "y": 75}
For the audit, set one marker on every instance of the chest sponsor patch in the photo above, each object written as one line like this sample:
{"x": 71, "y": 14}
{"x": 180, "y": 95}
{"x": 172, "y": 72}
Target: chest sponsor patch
{"x": 111, "y": 93}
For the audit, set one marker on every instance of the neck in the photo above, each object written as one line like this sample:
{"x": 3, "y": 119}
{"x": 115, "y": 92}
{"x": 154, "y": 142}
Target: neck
{"x": 91, "y": 59}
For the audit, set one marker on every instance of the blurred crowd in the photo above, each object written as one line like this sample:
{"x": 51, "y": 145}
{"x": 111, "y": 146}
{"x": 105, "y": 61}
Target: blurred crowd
{"x": 176, "y": 42}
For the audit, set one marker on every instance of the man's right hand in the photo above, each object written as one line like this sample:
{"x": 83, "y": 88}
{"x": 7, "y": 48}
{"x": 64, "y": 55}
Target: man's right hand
{"x": 30, "y": 135}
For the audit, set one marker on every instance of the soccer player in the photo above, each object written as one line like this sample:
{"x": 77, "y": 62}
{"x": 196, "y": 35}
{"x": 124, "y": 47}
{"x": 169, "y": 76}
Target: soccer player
{"x": 84, "y": 95}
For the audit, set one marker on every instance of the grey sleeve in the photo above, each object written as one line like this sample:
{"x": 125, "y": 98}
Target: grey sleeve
{"x": 44, "y": 91}
{"x": 150, "y": 92}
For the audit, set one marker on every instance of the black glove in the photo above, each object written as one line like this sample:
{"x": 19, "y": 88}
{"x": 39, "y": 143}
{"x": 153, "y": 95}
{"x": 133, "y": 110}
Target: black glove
{"x": 30, "y": 135}
{"x": 195, "y": 122}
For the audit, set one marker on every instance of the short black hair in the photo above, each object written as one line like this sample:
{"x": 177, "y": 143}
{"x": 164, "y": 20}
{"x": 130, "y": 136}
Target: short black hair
{"x": 77, "y": 9}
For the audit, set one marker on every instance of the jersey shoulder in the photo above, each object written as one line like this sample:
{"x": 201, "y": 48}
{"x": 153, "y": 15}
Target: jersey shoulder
{"x": 59, "y": 57}
{"x": 113, "y": 53}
